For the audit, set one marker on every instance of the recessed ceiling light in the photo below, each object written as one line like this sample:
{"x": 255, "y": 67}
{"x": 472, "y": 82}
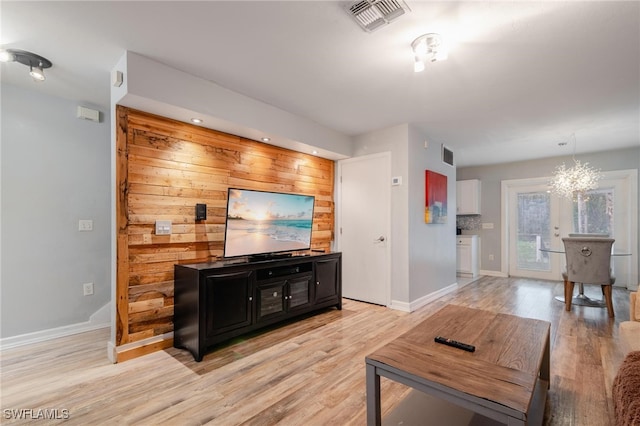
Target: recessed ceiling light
{"x": 265, "y": 139}
{"x": 314, "y": 152}
{"x": 196, "y": 120}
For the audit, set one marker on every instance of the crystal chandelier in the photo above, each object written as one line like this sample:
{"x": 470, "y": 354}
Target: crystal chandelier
{"x": 575, "y": 181}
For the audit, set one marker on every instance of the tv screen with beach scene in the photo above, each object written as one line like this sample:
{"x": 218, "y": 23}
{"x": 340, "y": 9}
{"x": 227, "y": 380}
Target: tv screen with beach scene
{"x": 262, "y": 223}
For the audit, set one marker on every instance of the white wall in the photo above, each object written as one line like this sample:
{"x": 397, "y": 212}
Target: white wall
{"x": 423, "y": 256}
{"x": 432, "y": 247}
{"x": 55, "y": 171}
{"x": 156, "y": 88}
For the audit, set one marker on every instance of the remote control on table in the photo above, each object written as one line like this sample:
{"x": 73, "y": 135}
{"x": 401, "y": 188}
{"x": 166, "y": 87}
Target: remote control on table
{"x": 455, "y": 344}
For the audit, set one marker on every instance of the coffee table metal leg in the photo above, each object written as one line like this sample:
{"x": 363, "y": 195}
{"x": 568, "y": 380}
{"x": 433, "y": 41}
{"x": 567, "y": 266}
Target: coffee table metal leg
{"x": 545, "y": 368}
{"x": 374, "y": 417}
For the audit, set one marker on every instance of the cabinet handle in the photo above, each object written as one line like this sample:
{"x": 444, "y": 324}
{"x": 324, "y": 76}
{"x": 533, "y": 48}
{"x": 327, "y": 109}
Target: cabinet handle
{"x": 250, "y": 298}
{"x": 317, "y": 282}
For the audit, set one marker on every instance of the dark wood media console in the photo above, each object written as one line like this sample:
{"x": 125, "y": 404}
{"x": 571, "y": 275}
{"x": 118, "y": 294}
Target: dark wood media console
{"x": 220, "y": 300}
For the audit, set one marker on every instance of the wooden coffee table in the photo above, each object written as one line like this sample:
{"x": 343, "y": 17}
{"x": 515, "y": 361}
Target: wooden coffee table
{"x": 505, "y": 379}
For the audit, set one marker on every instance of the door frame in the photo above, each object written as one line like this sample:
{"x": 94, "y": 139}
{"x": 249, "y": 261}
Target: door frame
{"x": 385, "y": 202}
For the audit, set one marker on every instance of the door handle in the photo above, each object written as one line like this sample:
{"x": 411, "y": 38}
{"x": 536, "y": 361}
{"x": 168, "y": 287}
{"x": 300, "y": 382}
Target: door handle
{"x": 379, "y": 240}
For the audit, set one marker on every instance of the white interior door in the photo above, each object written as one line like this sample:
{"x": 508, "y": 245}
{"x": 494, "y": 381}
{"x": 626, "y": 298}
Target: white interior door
{"x": 364, "y": 226}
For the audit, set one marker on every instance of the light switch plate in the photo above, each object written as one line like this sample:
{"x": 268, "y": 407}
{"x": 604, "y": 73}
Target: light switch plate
{"x": 396, "y": 180}
{"x": 163, "y": 227}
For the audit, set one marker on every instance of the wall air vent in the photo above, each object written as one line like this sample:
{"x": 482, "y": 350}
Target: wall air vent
{"x": 372, "y": 14}
{"x": 447, "y": 155}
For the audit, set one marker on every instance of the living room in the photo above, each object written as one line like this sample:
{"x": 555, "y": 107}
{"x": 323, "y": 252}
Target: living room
{"x": 48, "y": 150}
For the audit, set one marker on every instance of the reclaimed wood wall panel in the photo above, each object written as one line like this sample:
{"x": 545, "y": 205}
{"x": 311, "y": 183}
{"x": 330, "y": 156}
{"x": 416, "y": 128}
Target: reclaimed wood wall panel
{"x": 164, "y": 168}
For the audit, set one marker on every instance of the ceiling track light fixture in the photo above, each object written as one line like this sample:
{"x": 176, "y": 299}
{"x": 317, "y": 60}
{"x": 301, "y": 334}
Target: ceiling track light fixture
{"x": 36, "y": 63}
{"x": 427, "y": 48}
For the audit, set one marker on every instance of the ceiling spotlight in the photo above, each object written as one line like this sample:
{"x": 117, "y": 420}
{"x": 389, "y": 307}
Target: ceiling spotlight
{"x": 6, "y": 56}
{"x": 196, "y": 120}
{"x": 36, "y": 63}
{"x": 37, "y": 73}
{"x": 265, "y": 139}
{"x": 427, "y": 48}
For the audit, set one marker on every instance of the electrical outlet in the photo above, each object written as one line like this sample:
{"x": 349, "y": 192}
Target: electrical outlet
{"x": 87, "y": 288}
{"x": 85, "y": 225}
{"x": 487, "y": 226}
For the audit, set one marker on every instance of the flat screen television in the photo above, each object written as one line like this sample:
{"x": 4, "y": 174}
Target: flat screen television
{"x": 261, "y": 223}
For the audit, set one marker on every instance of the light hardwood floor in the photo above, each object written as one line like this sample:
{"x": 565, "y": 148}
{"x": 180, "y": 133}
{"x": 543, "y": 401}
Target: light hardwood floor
{"x": 309, "y": 372}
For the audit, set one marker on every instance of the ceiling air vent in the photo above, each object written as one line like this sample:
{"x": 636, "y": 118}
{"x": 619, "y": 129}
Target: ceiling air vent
{"x": 372, "y": 14}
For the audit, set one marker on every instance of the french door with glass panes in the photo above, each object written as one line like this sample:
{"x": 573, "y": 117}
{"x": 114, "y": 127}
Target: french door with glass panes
{"x": 538, "y": 219}
{"x": 534, "y": 224}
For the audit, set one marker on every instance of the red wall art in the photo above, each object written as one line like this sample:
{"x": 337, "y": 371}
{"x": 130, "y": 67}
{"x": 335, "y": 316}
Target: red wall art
{"x": 435, "y": 197}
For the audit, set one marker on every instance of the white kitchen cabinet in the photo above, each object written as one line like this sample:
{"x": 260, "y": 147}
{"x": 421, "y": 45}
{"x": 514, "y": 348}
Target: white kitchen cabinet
{"x": 468, "y": 197}
{"x": 467, "y": 255}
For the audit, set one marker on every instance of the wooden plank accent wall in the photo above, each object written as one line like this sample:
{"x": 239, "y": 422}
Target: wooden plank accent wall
{"x": 164, "y": 168}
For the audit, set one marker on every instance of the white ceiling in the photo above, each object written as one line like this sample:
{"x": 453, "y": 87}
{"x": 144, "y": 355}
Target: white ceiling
{"x": 521, "y": 76}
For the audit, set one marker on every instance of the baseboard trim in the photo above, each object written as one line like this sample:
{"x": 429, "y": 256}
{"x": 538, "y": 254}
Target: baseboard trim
{"x": 400, "y": 306}
{"x": 418, "y": 303}
{"x": 136, "y": 349}
{"x": 494, "y": 273}
{"x": 96, "y": 321}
